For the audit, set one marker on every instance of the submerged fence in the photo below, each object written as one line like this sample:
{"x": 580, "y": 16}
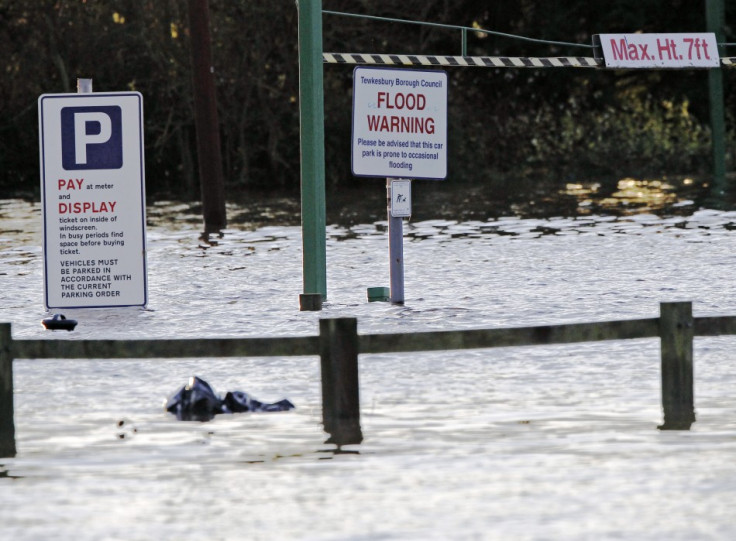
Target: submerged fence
{"x": 339, "y": 345}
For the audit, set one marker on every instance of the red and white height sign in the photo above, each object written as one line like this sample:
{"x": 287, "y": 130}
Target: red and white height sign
{"x": 684, "y": 50}
{"x": 93, "y": 195}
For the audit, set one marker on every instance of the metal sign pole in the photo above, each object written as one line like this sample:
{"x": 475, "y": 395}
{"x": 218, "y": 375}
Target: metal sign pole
{"x": 395, "y": 249}
{"x": 715, "y": 17}
{"x": 398, "y": 199}
{"x": 311, "y": 129}
{"x": 84, "y": 86}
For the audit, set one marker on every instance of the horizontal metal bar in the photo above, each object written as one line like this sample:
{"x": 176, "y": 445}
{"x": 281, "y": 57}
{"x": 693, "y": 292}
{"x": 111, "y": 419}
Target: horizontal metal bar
{"x": 473, "y": 61}
{"x": 527, "y": 336}
{"x": 462, "y": 61}
{"x": 141, "y": 349}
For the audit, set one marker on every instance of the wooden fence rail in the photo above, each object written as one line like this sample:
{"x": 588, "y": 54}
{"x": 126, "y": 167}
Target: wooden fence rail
{"x": 339, "y": 346}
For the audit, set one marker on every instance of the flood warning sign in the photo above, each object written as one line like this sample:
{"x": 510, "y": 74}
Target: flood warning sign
{"x": 93, "y": 196}
{"x": 399, "y": 123}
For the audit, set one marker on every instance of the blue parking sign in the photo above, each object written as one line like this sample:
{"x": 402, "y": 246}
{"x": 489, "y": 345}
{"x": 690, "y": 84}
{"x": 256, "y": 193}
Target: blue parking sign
{"x": 91, "y": 138}
{"x": 93, "y": 196}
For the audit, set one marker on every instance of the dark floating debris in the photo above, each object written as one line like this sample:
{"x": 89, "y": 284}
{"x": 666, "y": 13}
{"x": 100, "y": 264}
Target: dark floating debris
{"x": 59, "y": 322}
{"x": 196, "y": 401}
{"x": 125, "y": 429}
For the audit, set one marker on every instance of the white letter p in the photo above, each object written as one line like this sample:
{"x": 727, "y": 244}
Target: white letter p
{"x": 82, "y": 139}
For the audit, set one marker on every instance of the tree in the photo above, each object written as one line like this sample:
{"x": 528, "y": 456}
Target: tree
{"x": 510, "y": 123}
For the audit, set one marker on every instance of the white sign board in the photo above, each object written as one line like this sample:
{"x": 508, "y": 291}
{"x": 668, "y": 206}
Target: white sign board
{"x": 686, "y": 50}
{"x": 400, "y": 198}
{"x": 399, "y": 123}
{"x": 93, "y": 195}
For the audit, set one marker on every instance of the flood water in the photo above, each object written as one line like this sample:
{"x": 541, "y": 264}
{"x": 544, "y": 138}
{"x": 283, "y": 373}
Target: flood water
{"x": 531, "y": 443}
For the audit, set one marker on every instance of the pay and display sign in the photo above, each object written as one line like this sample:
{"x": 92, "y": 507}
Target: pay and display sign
{"x": 93, "y": 195}
{"x": 684, "y": 50}
{"x": 399, "y": 123}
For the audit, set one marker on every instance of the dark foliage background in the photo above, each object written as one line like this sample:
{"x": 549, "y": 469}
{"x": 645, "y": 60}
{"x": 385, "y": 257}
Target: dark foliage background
{"x": 550, "y": 125}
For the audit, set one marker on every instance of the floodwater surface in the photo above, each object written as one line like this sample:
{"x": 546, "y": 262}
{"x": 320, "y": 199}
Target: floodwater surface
{"x": 529, "y": 443}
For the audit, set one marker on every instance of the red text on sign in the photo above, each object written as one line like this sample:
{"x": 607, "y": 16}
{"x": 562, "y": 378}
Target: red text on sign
{"x": 70, "y": 184}
{"x": 412, "y": 102}
{"x": 86, "y": 206}
{"x": 400, "y": 124}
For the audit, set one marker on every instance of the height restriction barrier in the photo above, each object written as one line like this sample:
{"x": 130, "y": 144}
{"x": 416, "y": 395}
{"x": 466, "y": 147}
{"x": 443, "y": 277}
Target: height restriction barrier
{"x": 695, "y": 50}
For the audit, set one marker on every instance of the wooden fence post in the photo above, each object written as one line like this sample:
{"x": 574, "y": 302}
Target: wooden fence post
{"x": 7, "y": 423}
{"x": 339, "y": 365}
{"x": 676, "y": 332}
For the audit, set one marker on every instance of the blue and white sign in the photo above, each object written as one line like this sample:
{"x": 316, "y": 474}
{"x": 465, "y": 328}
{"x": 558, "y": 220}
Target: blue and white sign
{"x": 93, "y": 196}
{"x": 91, "y": 137}
{"x": 399, "y": 123}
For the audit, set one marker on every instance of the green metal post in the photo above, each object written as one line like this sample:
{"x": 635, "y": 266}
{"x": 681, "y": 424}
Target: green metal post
{"x": 715, "y": 19}
{"x": 312, "y": 137}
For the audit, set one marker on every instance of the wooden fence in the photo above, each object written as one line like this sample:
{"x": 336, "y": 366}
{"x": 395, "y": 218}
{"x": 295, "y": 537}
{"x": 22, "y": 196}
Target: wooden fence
{"x": 339, "y": 345}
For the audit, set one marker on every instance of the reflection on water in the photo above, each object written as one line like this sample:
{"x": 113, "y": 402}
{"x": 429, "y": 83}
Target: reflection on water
{"x": 631, "y": 194}
{"x": 365, "y": 203}
{"x": 5, "y": 474}
{"x": 547, "y": 442}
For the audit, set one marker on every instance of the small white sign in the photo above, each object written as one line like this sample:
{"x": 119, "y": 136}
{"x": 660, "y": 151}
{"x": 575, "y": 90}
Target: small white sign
{"x": 685, "y": 50}
{"x": 400, "y": 198}
{"x": 93, "y": 195}
{"x": 399, "y": 123}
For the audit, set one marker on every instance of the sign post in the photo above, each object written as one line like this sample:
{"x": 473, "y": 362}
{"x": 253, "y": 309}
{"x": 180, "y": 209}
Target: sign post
{"x": 93, "y": 196}
{"x": 398, "y": 196}
{"x": 715, "y": 17}
{"x": 399, "y": 129}
{"x": 312, "y": 145}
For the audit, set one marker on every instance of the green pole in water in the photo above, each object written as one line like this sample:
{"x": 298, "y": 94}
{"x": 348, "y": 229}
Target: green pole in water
{"x": 715, "y": 16}
{"x": 312, "y": 137}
